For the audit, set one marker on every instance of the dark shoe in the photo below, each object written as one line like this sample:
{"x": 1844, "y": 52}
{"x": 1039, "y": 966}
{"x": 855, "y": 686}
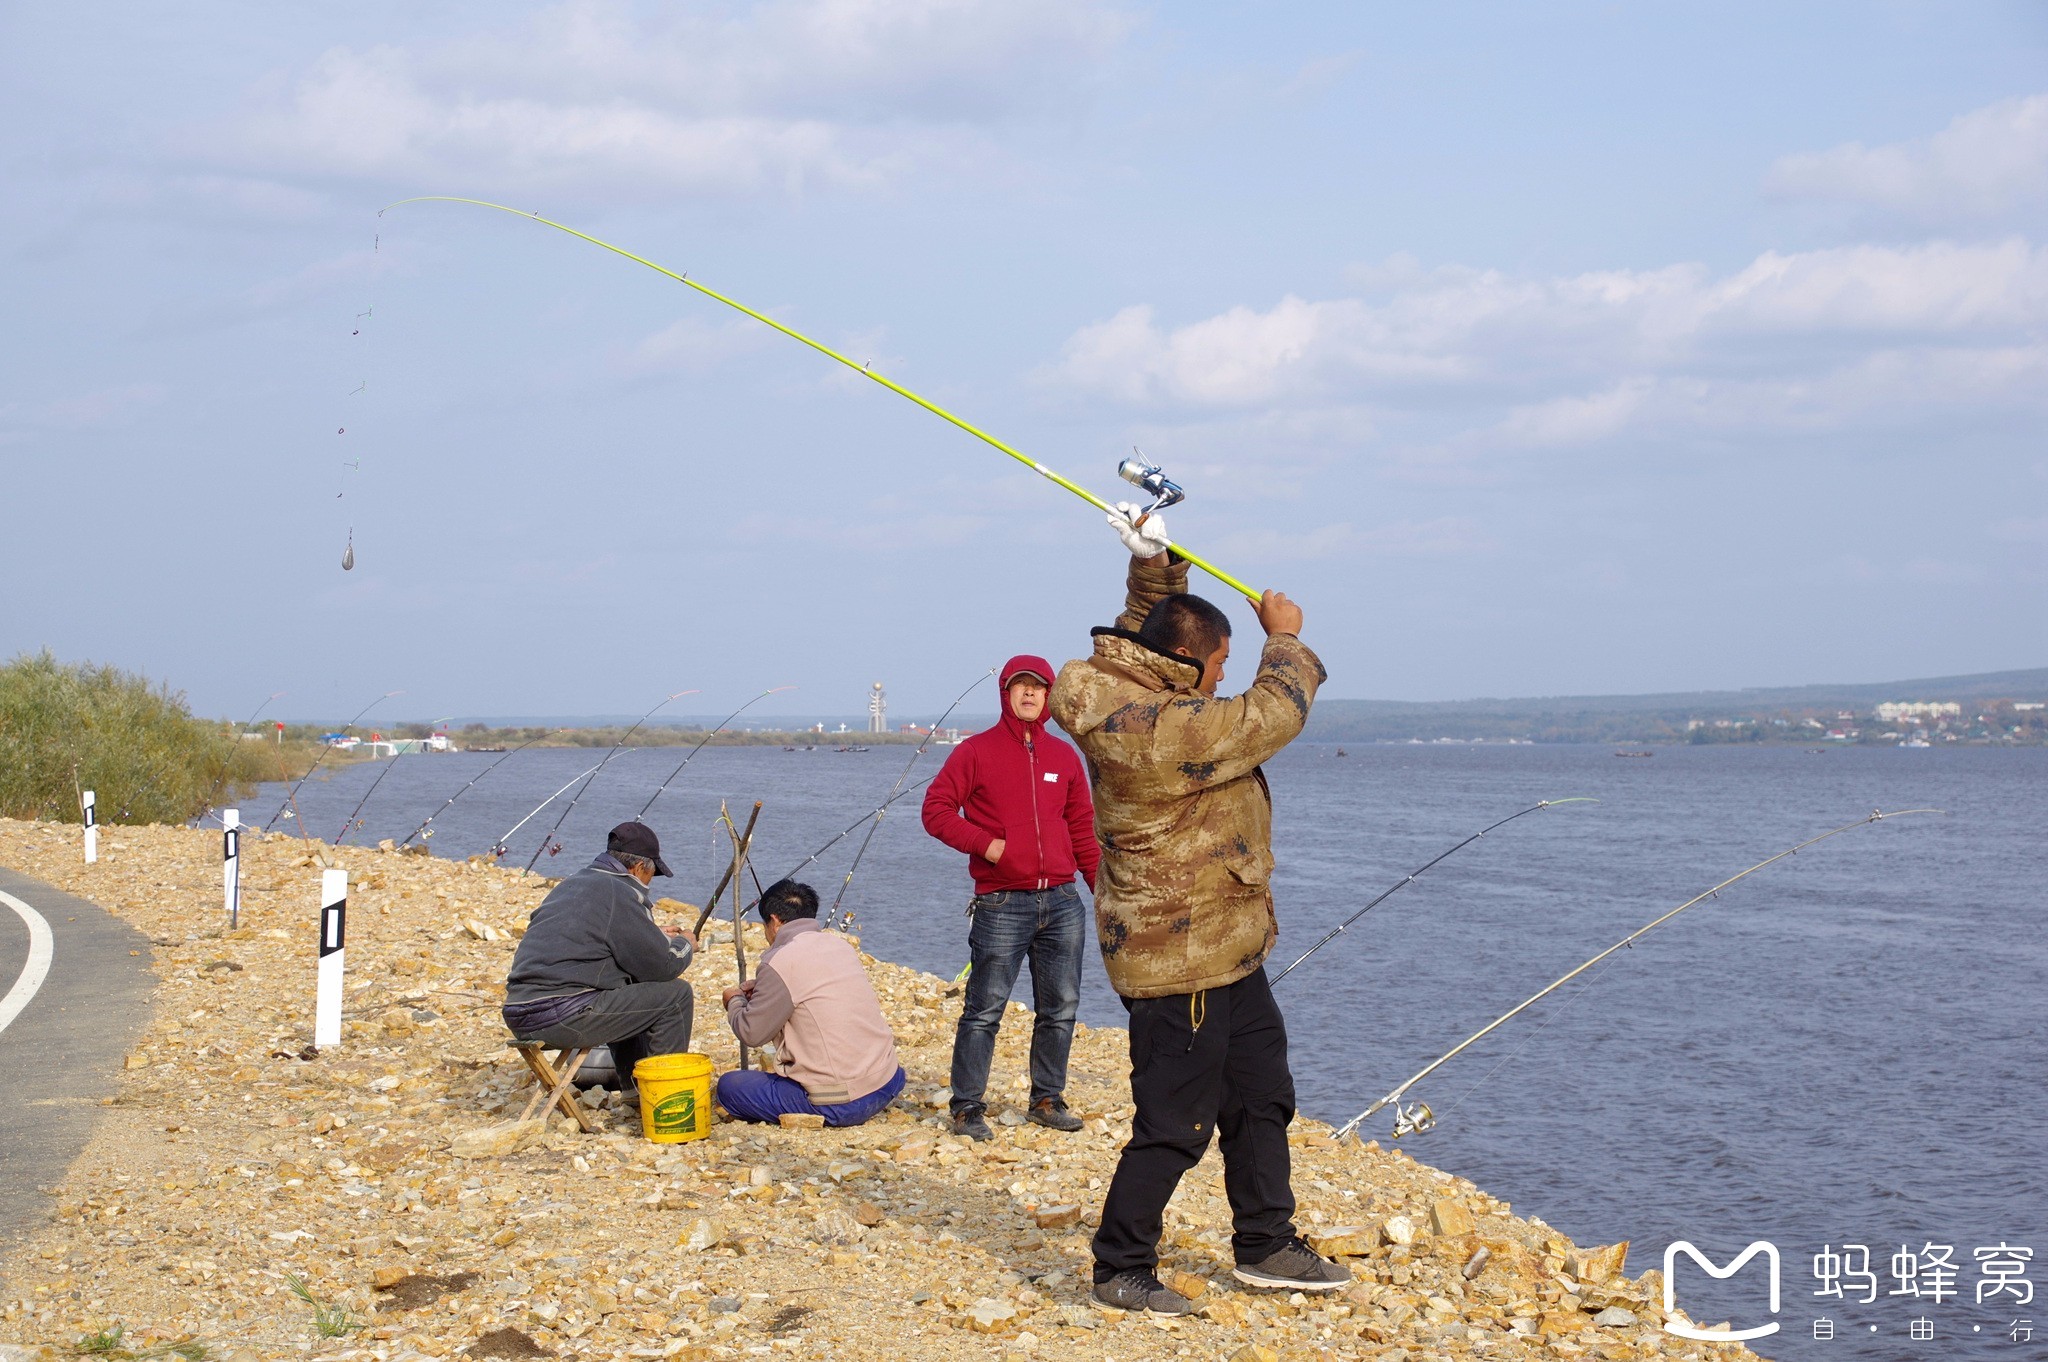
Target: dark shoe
{"x": 1138, "y": 1288}
{"x": 1052, "y": 1113}
{"x": 1294, "y": 1267}
{"x": 973, "y": 1123}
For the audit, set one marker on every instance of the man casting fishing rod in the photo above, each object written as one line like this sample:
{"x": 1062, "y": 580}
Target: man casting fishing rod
{"x": 1184, "y": 912}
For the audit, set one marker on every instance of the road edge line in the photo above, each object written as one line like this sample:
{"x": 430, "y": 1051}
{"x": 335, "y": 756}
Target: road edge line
{"x": 35, "y": 969}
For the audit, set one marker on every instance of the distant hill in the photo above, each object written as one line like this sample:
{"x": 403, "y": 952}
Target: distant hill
{"x": 1648, "y": 718}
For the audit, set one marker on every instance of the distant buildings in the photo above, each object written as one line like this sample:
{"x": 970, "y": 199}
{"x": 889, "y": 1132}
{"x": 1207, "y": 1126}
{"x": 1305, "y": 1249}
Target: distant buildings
{"x": 1892, "y": 711}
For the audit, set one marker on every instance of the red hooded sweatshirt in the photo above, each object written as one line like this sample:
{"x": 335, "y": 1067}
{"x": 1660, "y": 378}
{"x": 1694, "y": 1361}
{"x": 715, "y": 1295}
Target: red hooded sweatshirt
{"x": 1017, "y": 782}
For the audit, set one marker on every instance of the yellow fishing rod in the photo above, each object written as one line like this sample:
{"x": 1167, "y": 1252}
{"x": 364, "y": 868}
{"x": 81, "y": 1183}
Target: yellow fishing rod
{"x": 1132, "y": 470}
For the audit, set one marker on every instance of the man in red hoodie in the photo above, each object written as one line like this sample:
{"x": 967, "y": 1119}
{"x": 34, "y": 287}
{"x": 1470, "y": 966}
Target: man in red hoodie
{"x": 1015, "y": 801}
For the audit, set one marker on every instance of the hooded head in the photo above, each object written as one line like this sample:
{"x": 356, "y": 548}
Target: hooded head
{"x": 1037, "y": 674}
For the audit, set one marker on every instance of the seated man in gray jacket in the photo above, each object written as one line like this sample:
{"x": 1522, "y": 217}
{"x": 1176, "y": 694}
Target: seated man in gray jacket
{"x": 835, "y": 1055}
{"x": 594, "y": 968}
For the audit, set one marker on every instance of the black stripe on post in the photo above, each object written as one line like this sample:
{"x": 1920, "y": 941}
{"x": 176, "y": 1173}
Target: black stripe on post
{"x": 333, "y": 927}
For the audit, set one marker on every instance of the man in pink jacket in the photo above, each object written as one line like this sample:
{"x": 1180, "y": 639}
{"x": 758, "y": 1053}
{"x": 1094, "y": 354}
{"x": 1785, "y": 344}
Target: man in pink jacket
{"x": 1015, "y": 801}
{"x": 834, "y": 1054}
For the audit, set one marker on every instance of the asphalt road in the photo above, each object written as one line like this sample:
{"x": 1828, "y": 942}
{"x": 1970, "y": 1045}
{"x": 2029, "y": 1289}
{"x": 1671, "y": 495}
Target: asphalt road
{"x": 60, "y": 1053}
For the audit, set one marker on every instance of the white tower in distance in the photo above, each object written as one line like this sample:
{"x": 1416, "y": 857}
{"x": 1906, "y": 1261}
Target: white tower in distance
{"x": 878, "y": 710}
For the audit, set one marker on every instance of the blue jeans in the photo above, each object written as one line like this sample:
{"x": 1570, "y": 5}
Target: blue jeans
{"x": 751, "y": 1095}
{"x": 1048, "y": 926}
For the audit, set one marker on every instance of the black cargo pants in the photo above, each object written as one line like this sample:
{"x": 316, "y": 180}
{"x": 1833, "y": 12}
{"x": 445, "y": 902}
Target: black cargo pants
{"x": 1203, "y": 1062}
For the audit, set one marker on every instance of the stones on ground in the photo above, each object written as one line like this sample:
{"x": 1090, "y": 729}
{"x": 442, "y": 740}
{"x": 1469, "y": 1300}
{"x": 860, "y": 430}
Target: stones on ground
{"x": 1056, "y": 1217}
{"x": 837, "y": 1227}
{"x": 703, "y": 1236}
{"x": 1476, "y": 1264}
{"x": 1186, "y": 1284}
{"x": 869, "y": 1214}
{"x": 1255, "y": 1352}
{"x": 989, "y": 1315}
{"x": 1398, "y": 1229}
{"x": 1449, "y": 1218}
{"x": 1614, "y": 1317}
{"x": 493, "y": 1142}
{"x": 1343, "y": 1241}
{"x": 1598, "y": 1264}
{"x": 801, "y": 1120}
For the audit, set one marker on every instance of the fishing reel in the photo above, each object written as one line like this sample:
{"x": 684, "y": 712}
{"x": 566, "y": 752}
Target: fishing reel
{"x": 1153, "y": 481}
{"x": 1415, "y": 1119}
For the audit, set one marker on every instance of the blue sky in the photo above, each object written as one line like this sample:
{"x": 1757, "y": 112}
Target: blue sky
{"x": 1575, "y": 348}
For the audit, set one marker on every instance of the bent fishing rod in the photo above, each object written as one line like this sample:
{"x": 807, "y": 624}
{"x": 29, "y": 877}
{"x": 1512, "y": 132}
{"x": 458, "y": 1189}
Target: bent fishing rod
{"x": 355, "y": 815}
{"x": 570, "y": 808}
{"x": 422, "y": 828}
{"x": 1419, "y": 1119}
{"x": 692, "y": 754}
{"x": 293, "y": 793}
{"x": 1135, "y": 471}
{"x": 832, "y": 916}
{"x": 854, "y": 826}
{"x": 1409, "y": 879}
{"x": 499, "y": 847}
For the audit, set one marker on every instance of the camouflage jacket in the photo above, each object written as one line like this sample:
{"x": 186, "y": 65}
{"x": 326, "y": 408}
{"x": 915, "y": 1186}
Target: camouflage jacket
{"x": 1182, "y": 901}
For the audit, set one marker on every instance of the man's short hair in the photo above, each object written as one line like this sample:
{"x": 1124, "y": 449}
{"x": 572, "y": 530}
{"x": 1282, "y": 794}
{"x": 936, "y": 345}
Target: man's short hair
{"x": 1184, "y": 621}
{"x": 788, "y": 900}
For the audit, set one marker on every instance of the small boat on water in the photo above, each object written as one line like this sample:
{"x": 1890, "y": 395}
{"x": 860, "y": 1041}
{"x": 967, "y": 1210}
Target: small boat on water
{"x": 483, "y": 749}
{"x": 1635, "y": 754}
{"x": 1342, "y": 753}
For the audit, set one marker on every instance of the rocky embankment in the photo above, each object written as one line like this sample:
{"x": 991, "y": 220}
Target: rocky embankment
{"x": 245, "y": 1196}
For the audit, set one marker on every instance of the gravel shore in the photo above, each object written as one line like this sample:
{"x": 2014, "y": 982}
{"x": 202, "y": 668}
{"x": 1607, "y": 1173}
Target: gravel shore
{"x": 235, "y": 1173}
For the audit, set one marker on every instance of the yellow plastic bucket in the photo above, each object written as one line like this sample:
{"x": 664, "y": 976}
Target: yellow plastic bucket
{"x": 675, "y": 1097}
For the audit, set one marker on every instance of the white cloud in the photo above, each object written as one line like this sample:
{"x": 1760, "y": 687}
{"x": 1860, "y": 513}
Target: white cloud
{"x": 1454, "y": 362}
{"x": 1983, "y": 164}
{"x": 801, "y": 92}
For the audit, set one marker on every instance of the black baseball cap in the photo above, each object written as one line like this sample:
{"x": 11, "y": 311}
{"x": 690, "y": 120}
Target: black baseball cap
{"x": 637, "y": 839}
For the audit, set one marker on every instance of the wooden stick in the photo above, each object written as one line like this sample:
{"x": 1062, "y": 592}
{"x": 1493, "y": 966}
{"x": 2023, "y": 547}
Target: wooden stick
{"x": 711, "y": 899}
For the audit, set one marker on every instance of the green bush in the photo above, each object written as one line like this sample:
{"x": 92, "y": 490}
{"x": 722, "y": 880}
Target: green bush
{"x": 70, "y": 727}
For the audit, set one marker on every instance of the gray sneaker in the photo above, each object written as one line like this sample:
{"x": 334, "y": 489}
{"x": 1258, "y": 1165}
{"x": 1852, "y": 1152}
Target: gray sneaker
{"x": 973, "y": 1123}
{"x": 1052, "y": 1113}
{"x": 1138, "y": 1288}
{"x": 1294, "y": 1266}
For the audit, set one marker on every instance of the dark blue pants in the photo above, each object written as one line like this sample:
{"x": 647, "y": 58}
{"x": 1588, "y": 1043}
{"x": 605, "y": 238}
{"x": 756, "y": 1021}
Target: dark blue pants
{"x": 1050, "y": 928}
{"x": 751, "y": 1095}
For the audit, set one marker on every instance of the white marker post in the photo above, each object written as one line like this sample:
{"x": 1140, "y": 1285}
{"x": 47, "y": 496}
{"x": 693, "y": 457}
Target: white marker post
{"x": 231, "y": 864}
{"x": 333, "y": 931}
{"x": 92, "y": 827}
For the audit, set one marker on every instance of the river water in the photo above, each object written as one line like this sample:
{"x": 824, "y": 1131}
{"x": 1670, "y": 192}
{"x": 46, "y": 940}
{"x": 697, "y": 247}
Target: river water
{"x": 1849, "y": 1048}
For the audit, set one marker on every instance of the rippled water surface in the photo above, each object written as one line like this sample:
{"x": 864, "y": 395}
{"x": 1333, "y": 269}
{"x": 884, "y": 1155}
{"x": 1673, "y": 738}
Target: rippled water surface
{"x": 1848, "y": 1047}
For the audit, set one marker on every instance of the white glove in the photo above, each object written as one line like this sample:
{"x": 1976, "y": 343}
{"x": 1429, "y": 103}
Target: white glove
{"x": 1144, "y": 541}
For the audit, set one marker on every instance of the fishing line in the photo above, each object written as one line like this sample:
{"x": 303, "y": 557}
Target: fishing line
{"x": 832, "y": 918}
{"x": 353, "y": 822}
{"x": 422, "y": 828}
{"x": 865, "y": 370}
{"x": 499, "y": 847}
{"x": 221, "y": 777}
{"x": 1409, "y": 879}
{"x": 692, "y": 755}
{"x": 290, "y": 798}
{"x": 549, "y": 840}
{"x": 1419, "y": 1118}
